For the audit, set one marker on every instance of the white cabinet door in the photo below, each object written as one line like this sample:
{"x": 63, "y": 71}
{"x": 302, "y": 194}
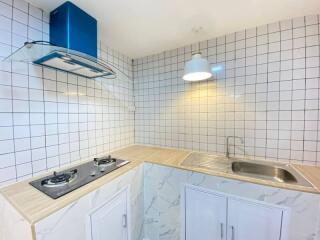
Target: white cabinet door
{"x": 253, "y": 221}
{"x": 109, "y": 222}
{"x": 205, "y": 215}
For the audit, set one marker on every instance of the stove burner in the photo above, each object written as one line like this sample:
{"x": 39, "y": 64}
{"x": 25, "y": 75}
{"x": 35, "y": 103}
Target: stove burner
{"x": 104, "y": 162}
{"x": 59, "y": 180}
{"x": 66, "y": 181}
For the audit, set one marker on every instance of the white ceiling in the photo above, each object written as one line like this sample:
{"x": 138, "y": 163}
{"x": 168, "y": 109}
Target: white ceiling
{"x": 142, "y": 27}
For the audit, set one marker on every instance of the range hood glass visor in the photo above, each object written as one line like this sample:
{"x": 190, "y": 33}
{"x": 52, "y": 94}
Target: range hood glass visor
{"x": 62, "y": 59}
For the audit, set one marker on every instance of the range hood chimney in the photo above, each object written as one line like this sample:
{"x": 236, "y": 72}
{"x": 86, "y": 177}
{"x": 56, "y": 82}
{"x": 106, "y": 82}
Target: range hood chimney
{"x": 72, "y": 28}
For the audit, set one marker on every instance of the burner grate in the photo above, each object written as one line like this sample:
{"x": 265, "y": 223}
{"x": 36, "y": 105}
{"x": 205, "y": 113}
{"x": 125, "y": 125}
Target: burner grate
{"x": 104, "y": 161}
{"x": 59, "y": 179}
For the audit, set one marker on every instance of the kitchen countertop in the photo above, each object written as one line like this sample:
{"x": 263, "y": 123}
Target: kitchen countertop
{"x": 33, "y": 205}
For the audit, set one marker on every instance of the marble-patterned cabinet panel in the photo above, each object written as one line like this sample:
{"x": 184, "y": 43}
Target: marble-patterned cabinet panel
{"x": 13, "y": 226}
{"x": 162, "y": 201}
{"x": 70, "y": 222}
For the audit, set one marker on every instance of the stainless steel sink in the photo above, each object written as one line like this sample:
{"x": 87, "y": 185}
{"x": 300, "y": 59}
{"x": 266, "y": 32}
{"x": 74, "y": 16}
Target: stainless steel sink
{"x": 272, "y": 171}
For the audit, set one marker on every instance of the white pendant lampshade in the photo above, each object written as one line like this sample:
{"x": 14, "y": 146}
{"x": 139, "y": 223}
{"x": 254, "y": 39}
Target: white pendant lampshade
{"x": 197, "y": 69}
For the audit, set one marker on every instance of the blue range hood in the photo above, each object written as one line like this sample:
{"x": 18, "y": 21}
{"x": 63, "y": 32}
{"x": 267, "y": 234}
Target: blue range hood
{"x": 72, "y": 47}
{"x": 72, "y": 28}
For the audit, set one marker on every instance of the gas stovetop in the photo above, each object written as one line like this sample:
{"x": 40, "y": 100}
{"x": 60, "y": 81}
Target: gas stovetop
{"x": 61, "y": 183}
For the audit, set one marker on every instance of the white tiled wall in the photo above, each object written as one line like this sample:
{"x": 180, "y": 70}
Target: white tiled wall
{"x": 265, "y": 89}
{"x": 49, "y": 118}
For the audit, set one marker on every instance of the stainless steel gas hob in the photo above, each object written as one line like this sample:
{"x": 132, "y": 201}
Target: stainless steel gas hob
{"x": 61, "y": 183}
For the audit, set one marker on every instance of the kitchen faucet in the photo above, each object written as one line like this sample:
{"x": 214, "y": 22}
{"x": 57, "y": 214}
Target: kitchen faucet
{"x": 228, "y": 137}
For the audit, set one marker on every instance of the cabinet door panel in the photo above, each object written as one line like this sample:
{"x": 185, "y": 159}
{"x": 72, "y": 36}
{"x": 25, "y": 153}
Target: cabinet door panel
{"x": 205, "y": 215}
{"x": 109, "y": 221}
{"x": 252, "y": 221}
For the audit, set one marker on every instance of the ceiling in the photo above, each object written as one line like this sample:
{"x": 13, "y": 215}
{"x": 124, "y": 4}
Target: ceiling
{"x": 142, "y": 27}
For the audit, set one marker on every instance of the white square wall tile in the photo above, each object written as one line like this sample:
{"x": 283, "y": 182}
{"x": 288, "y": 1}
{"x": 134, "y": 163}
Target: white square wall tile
{"x": 298, "y": 22}
{"x": 23, "y": 157}
{"x": 286, "y": 24}
{"x": 35, "y": 23}
{"x": 6, "y": 146}
{"x": 7, "y": 160}
{"x": 21, "y": 144}
{"x": 287, "y": 34}
{"x": 35, "y": 12}
{"x": 5, "y": 105}
{"x": 8, "y": 173}
{"x": 19, "y": 80}
{"x": 34, "y": 34}
{"x": 299, "y": 42}
{"x": 24, "y": 169}
{"x": 20, "y": 16}
{"x": 4, "y": 50}
{"x": 299, "y": 32}
{"x": 312, "y": 40}
{"x": 312, "y": 51}
{"x": 252, "y": 32}
{"x": 261, "y": 30}
{"x": 5, "y": 24}
{"x": 9, "y": 2}
{"x": 311, "y": 19}
{"x": 273, "y": 27}
{"x": 5, "y": 10}
{"x": 6, "y": 133}
{"x": 21, "y": 5}
{"x": 5, "y": 78}
{"x": 53, "y": 162}
{"x": 5, "y": 92}
{"x": 20, "y": 93}
{"x": 21, "y": 131}
{"x": 312, "y": 30}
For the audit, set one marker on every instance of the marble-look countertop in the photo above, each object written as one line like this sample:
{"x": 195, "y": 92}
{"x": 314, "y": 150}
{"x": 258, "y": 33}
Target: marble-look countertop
{"x": 33, "y": 205}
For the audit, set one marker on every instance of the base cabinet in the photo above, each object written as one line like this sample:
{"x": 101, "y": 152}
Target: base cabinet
{"x": 110, "y": 221}
{"x": 205, "y": 215}
{"x": 251, "y": 221}
{"x": 216, "y": 216}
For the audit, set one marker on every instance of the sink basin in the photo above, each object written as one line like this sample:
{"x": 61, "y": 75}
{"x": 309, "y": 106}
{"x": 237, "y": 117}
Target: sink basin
{"x": 274, "y": 173}
{"x": 269, "y": 171}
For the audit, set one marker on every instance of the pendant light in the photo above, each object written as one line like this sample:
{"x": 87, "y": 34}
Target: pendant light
{"x": 197, "y": 69}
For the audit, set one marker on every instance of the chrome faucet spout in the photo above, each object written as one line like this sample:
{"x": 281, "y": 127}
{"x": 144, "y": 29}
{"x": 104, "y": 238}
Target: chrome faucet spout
{"x": 227, "y": 144}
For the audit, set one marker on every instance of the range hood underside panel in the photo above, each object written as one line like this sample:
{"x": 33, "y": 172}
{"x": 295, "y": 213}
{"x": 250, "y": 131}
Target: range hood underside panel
{"x": 62, "y": 59}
